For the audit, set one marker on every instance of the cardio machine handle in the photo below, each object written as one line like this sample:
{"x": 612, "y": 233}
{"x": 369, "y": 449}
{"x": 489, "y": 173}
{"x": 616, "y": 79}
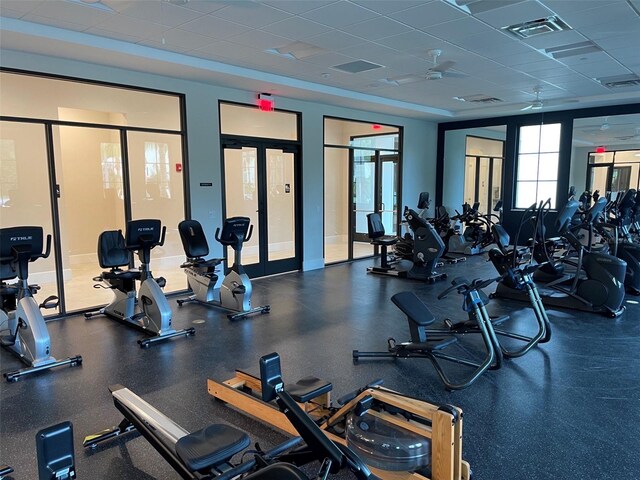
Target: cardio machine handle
{"x": 248, "y": 237}
{"x": 47, "y": 249}
{"x": 162, "y": 235}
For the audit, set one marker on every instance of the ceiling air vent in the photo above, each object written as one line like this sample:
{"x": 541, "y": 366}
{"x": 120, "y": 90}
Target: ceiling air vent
{"x": 357, "y": 66}
{"x": 572, "y": 49}
{"x": 296, "y": 50}
{"x": 479, "y": 99}
{"x": 537, "y": 27}
{"x": 620, "y": 81}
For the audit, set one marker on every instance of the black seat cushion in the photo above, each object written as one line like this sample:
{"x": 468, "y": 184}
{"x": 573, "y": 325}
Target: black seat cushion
{"x": 308, "y": 388}
{"x": 385, "y": 240}
{"x": 206, "y": 448}
{"x": 278, "y": 471}
{"x": 121, "y": 275}
{"x": 413, "y": 308}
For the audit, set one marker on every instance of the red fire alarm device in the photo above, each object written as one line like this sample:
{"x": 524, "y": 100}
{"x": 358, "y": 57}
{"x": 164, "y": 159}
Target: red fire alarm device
{"x": 178, "y": 167}
{"x": 265, "y": 102}
{"x": 601, "y": 149}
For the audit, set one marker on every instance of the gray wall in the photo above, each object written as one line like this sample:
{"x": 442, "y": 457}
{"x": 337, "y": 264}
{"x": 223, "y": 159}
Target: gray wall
{"x": 419, "y": 150}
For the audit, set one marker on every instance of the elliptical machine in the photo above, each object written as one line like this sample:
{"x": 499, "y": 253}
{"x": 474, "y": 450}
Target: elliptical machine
{"x": 427, "y": 248}
{"x": 597, "y": 285}
{"x": 149, "y": 311}
{"x": 206, "y": 279}
{"x": 20, "y": 316}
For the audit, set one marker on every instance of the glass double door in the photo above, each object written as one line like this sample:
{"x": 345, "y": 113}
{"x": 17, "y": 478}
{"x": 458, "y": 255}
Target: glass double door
{"x": 483, "y": 182}
{"x": 77, "y": 182}
{"x": 374, "y": 190}
{"x": 261, "y": 182}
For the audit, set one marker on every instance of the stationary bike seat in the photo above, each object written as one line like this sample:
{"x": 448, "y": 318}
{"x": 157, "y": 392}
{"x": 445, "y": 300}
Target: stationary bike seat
{"x": 121, "y": 275}
{"x": 210, "y": 446}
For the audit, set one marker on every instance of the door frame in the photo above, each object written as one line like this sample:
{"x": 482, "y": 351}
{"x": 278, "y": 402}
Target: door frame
{"x": 264, "y": 266}
{"x": 476, "y": 192}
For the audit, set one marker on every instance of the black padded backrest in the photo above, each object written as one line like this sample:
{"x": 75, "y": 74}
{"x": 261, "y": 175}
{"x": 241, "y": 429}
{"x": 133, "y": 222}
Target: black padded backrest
{"x": 111, "y": 250}
{"x": 375, "y": 226}
{"x": 149, "y": 230}
{"x": 424, "y": 201}
{"x": 23, "y": 237}
{"x": 501, "y": 237}
{"x": 194, "y": 241}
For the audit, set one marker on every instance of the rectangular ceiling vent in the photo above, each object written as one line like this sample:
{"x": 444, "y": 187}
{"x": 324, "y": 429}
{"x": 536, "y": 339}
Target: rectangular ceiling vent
{"x": 537, "y": 27}
{"x": 357, "y": 66}
{"x": 572, "y": 49}
{"x": 478, "y": 99}
{"x": 620, "y": 81}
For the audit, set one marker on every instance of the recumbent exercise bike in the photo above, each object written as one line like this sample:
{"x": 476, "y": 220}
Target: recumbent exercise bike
{"x": 210, "y": 286}
{"x": 20, "y": 316}
{"x": 149, "y": 311}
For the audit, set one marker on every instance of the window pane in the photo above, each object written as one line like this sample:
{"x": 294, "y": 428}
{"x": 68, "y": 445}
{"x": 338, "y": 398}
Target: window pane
{"x": 598, "y": 179}
{"x": 385, "y": 142}
{"x": 547, "y": 190}
{"x": 470, "y": 180}
{"x": 336, "y": 204}
{"x": 250, "y": 121}
{"x": 550, "y": 138}
{"x": 339, "y": 132}
{"x": 46, "y": 98}
{"x": 484, "y": 147}
{"x": 548, "y": 167}
{"x": 529, "y": 139}
{"x": 601, "y": 157}
{"x": 627, "y": 156}
{"x": 528, "y": 167}
{"x": 525, "y": 194}
{"x": 156, "y": 192}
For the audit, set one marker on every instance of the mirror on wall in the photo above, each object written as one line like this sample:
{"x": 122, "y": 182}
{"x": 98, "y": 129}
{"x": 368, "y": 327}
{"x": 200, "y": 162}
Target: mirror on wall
{"x": 473, "y": 167}
{"x": 606, "y": 153}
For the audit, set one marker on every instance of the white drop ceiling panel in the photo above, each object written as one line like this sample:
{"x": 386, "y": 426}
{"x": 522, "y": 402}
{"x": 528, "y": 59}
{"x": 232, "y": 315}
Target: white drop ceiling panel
{"x": 297, "y": 7}
{"x": 251, "y": 14}
{"x": 259, "y": 39}
{"x": 456, "y": 29}
{"x": 397, "y": 34}
{"x": 215, "y": 27}
{"x": 514, "y": 14}
{"x": 339, "y": 14}
{"x": 54, "y": 22}
{"x": 428, "y": 14}
{"x": 335, "y": 40}
{"x": 296, "y": 28}
{"x": 168, "y": 14}
{"x": 377, "y": 28}
{"x": 69, "y": 12}
{"x": 129, "y": 25}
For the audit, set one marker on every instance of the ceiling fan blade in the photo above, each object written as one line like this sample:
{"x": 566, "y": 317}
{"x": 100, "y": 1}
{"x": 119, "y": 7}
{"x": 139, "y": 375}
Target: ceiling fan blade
{"x": 455, "y": 75}
{"x": 528, "y": 107}
{"x": 443, "y": 67}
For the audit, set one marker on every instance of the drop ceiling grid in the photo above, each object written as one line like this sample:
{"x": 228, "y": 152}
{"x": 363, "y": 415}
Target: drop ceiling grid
{"x": 377, "y": 31}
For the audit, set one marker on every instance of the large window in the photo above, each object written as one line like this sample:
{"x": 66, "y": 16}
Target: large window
{"x": 614, "y": 171}
{"x": 538, "y": 154}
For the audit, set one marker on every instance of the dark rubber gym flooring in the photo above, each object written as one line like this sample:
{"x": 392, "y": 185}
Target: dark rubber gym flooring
{"x": 568, "y": 409}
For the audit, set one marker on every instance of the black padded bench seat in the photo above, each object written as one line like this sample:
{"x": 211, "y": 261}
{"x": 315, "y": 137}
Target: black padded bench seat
{"x": 413, "y": 308}
{"x": 211, "y": 446}
{"x": 131, "y": 274}
{"x": 308, "y": 388}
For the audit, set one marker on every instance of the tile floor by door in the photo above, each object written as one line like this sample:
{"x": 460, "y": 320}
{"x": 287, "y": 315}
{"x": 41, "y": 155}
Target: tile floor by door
{"x": 568, "y": 409}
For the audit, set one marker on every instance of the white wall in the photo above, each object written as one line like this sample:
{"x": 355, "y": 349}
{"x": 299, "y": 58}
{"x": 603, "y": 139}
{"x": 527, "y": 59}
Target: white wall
{"x": 454, "y": 165}
{"x": 419, "y": 149}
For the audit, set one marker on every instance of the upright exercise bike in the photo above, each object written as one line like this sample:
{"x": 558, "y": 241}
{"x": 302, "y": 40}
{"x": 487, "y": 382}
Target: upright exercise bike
{"x": 149, "y": 311}
{"x": 206, "y": 278}
{"x": 20, "y": 316}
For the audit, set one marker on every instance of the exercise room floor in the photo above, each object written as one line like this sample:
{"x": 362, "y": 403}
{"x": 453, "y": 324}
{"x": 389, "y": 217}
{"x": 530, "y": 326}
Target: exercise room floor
{"x": 568, "y": 409}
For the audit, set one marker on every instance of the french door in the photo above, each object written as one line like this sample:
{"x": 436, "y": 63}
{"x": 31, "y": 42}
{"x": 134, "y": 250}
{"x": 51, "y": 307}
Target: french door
{"x": 261, "y": 180}
{"x": 374, "y": 189}
{"x": 483, "y": 182}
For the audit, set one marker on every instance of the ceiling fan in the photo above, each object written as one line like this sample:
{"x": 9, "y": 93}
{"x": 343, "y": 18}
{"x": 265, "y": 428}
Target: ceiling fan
{"x": 440, "y": 70}
{"x": 635, "y": 136}
{"x": 537, "y": 104}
